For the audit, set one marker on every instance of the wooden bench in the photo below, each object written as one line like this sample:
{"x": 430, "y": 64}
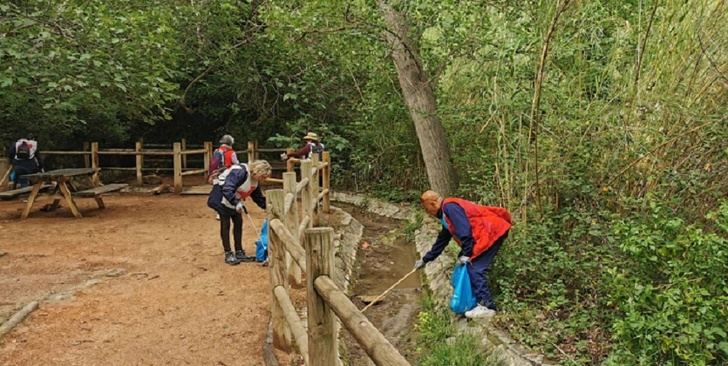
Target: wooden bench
{"x": 8, "y": 195}
{"x": 96, "y": 192}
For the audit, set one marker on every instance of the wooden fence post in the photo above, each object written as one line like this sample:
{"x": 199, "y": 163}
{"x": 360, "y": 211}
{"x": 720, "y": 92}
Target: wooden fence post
{"x": 183, "y": 143}
{"x": 139, "y": 162}
{"x": 207, "y": 157}
{"x": 251, "y": 151}
{"x": 306, "y": 198}
{"x": 322, "y": 347}
{"x": 95, "y": 163}
{"x": 281, "y": 332}
{"x": 314, "y": 189}
{"x": 291, "y": 221}
{"x": 327, "y": 182}
{"x": 86, "y": 158}
{"x": 177, "y": 150}
{"x": 256, "y": 156}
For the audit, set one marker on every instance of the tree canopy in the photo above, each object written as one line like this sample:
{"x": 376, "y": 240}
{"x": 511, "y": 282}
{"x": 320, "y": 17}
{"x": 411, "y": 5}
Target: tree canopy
{"x": 601, "y": 124}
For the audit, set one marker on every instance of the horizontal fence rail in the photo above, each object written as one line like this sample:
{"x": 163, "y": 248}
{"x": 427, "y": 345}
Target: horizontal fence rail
{"x": 296, "y": 246}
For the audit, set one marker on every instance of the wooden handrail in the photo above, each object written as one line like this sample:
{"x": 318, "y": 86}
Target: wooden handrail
{"x": 322, "y": 194}
{"x": 369, "y": 337}
{"x": 193, "y": 172}
{"x": 302, "y": 228}
{"x": 195, "y": 151}
{"x": 301, "y": 185}
{"x": 294, "y": 321}
{"x": 290, "y": 243}
{"x": 288, "y": 202}
{"x": 57, "y": 152}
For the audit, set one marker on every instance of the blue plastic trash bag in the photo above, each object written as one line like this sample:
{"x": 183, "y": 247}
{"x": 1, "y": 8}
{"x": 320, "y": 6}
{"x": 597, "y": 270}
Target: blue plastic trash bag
{"x": 463, "y": 298}
{"x": 261, "y": 245}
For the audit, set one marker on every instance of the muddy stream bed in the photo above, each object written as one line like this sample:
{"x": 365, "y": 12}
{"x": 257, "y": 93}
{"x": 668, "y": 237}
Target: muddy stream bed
{"x": 384, "y": 257}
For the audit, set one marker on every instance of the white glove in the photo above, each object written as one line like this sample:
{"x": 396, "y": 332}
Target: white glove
{"x": 419, "y": 264}
{"x": 239, "y": 207}
{"x": 284, "y": 156}
{"x": 463, "y": 259}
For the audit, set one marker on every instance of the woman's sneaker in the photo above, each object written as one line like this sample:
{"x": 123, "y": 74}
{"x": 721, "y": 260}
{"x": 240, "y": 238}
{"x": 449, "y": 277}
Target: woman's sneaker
{"x": 231, "y": 259}
{"x": 479, "y": 311}
{"x": 240, "y": 255}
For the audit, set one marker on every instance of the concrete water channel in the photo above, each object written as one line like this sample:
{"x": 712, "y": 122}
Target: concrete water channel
{"x": 385, "y": 256}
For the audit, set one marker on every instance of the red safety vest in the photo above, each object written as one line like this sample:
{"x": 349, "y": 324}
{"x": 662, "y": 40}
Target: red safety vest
{"x": 227, "y": 155}
{"x": 487, "y": 223}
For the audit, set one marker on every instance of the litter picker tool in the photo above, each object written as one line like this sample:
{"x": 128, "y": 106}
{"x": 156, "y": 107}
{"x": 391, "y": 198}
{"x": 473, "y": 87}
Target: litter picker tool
{"x": 376, "y": 299}
{"x": 250, "y": 218}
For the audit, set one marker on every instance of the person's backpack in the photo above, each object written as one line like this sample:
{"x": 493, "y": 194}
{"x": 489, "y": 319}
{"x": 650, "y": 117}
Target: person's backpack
{"x": 317, "y": 148}
{"x": 22, "y": 152}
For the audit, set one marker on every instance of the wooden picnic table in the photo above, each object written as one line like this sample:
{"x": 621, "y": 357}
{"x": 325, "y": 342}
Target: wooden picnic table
{"x": 61, "y": 177}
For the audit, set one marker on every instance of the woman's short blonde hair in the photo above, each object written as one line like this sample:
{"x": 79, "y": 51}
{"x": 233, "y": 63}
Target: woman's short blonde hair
{"x": 260, "y": 168}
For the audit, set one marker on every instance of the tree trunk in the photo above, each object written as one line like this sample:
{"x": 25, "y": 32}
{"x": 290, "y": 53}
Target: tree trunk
{"x": 420, "y": 101}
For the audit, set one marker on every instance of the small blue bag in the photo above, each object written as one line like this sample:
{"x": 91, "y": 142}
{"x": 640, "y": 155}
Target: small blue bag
{"x": 261, "y": 245}
{"x": 463, "y": 298}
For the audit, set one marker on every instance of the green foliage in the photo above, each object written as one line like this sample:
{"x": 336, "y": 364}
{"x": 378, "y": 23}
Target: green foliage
{"x": 671, "y": 291}
{"x": 439, "y": 344}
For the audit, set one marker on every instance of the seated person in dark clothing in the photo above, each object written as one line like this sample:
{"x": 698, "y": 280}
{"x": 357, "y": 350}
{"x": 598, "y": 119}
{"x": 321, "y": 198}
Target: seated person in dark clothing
{"x": 24, "y": 158}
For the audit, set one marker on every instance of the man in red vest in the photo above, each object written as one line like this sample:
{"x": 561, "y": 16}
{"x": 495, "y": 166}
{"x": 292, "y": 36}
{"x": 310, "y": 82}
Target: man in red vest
{"x": 480, "y": 232}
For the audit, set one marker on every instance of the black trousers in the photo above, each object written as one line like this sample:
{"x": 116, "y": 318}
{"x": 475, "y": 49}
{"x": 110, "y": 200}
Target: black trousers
{"x": 227, "y": 215}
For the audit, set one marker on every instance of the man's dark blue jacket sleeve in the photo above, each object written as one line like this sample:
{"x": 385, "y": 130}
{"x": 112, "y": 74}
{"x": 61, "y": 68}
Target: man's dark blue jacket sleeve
{"x": 443, "y": 238}
{"x": 461, "y": 226}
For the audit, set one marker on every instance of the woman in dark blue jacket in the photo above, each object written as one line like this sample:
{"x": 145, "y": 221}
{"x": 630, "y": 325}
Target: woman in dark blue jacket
{"x": 227, "y": 198}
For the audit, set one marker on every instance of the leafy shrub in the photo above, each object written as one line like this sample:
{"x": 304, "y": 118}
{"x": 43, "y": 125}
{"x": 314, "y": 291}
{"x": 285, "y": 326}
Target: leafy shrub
{"x": 671, "y": 291}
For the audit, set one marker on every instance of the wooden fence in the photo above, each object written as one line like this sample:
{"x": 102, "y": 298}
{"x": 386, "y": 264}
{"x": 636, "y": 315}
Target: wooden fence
{"x": 178, "y": 153}
{"x": 291, "y": 232}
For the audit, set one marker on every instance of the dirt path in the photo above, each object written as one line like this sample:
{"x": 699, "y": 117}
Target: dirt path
{"x": 163, "y": 297}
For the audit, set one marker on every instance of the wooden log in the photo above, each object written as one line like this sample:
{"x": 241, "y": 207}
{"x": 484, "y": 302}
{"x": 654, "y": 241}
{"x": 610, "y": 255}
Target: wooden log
{"x": 306, "y": 196}
{"x": 18, "y": 317}
{"x": 207, "y": 157}
{"x": 314, "y": 189}
{"x": 69, "y": 152}
{"x": 95, "y": 163}
{"x": 139, "y": 163}
{"x": 301, "y": 185}
{"x": 374, "y": 343}
{"x": 289, "y": 199}
{"x": 86, "y": 158}
{"x": 294, "y": 322}
{"x": 322, "y": 342}
{"x": 5, "y": 179}
{"x": 291, "y": 221}
{"x": 290, "y": 243}
{"x": 160, "y": 189}
{"x": 327, "y": 182}
{"x": 276, "y": 255}
{"x": 183, "y": 145}
{"x": 193, "y": 172}
{"x": 302, "y": 230}
{"x": 177, "y": 148}
{"x": 251, "y": 151}
{"x": 322, "y": 195}
{"x": 191, "y": 152}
